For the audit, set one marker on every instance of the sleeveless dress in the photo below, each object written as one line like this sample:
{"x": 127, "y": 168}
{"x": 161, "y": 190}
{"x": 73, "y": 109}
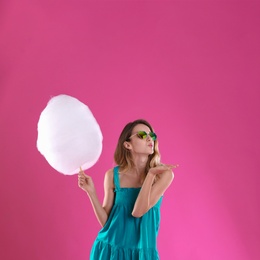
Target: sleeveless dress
{"x": 125, "y": 237}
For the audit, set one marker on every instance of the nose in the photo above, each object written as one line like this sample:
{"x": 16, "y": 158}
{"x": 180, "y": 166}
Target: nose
{"x": 148, "y": 138}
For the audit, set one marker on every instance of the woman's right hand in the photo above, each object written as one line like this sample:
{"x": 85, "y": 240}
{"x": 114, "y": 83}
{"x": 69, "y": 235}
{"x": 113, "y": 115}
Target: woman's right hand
{"x": 85, "y": 182}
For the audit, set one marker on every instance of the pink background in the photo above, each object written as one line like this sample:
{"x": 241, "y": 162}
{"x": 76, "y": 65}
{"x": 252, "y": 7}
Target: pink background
{"x": 191, "y": 68}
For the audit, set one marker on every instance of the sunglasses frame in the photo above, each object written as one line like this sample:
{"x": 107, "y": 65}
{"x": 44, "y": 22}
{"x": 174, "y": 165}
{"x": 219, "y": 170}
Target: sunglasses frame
{"x": 143, "y": 135}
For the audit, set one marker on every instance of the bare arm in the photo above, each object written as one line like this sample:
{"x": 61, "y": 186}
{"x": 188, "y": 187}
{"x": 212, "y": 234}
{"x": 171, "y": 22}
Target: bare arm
{"x": 101, "y": 211}
{"x": 151, "y": 192}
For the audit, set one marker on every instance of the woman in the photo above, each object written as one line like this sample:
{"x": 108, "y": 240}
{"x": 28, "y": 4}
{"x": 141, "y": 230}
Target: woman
{"x": 133, "y": 190}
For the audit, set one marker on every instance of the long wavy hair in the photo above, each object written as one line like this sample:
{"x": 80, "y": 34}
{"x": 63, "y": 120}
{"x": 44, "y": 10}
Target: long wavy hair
{"x": 123, "y": 156}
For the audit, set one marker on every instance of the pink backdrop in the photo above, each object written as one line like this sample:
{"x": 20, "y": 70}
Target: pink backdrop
{"x": 190, "y": 68}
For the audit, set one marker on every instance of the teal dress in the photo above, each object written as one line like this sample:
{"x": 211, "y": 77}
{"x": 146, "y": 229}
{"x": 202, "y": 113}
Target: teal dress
{"x": 125, "y": 237}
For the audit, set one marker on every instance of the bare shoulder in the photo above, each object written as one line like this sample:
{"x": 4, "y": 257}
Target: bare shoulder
{"x": 166, "y": 176}
{"x": 109, "y": 178}
{"x": 169, "y": 173}
{"x": 110, "y": 173}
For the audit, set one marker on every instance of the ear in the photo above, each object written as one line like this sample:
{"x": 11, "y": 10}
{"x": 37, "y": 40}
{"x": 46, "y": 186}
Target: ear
{"x": 127, "y": 145}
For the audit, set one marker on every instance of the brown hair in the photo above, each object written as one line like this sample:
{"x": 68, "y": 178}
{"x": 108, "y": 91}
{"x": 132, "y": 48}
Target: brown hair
{"x": 123, "y": 156}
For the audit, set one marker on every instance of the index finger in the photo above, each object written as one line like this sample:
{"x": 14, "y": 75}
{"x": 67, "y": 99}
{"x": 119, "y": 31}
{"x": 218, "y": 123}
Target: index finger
{"x": 172, "y": 165}
{"x": 81, "y": 171}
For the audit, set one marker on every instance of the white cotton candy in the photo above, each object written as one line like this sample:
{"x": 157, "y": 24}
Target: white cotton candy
{"x": 69, "y": 136}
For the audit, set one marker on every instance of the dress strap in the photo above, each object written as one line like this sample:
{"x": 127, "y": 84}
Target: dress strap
{"x": 116, "y": 178}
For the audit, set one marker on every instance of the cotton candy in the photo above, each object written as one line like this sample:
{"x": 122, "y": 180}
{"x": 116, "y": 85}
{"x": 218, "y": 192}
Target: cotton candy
{"x": 69, "y": 136}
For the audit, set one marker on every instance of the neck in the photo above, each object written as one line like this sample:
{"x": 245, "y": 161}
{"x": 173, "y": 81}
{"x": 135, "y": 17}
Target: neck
{"x": 140, "y": 164}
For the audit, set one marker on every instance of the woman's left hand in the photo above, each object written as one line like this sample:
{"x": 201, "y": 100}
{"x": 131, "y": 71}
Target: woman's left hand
{"x": 162, "y": 168}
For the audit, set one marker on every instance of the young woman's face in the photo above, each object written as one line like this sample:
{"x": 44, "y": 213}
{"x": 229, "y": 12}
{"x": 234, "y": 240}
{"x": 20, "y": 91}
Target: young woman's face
{"x": 141, "y": 144}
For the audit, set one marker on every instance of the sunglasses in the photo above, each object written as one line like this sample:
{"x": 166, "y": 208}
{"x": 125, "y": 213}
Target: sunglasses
{"x": 143, "y": 135}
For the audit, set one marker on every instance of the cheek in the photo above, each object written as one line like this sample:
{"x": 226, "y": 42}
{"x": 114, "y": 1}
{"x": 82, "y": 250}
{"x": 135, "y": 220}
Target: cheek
{"x": 139, "y": 145}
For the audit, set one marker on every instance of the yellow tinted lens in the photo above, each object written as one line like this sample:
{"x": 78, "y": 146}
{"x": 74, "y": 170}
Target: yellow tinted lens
{"x": 142, "y": 134}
